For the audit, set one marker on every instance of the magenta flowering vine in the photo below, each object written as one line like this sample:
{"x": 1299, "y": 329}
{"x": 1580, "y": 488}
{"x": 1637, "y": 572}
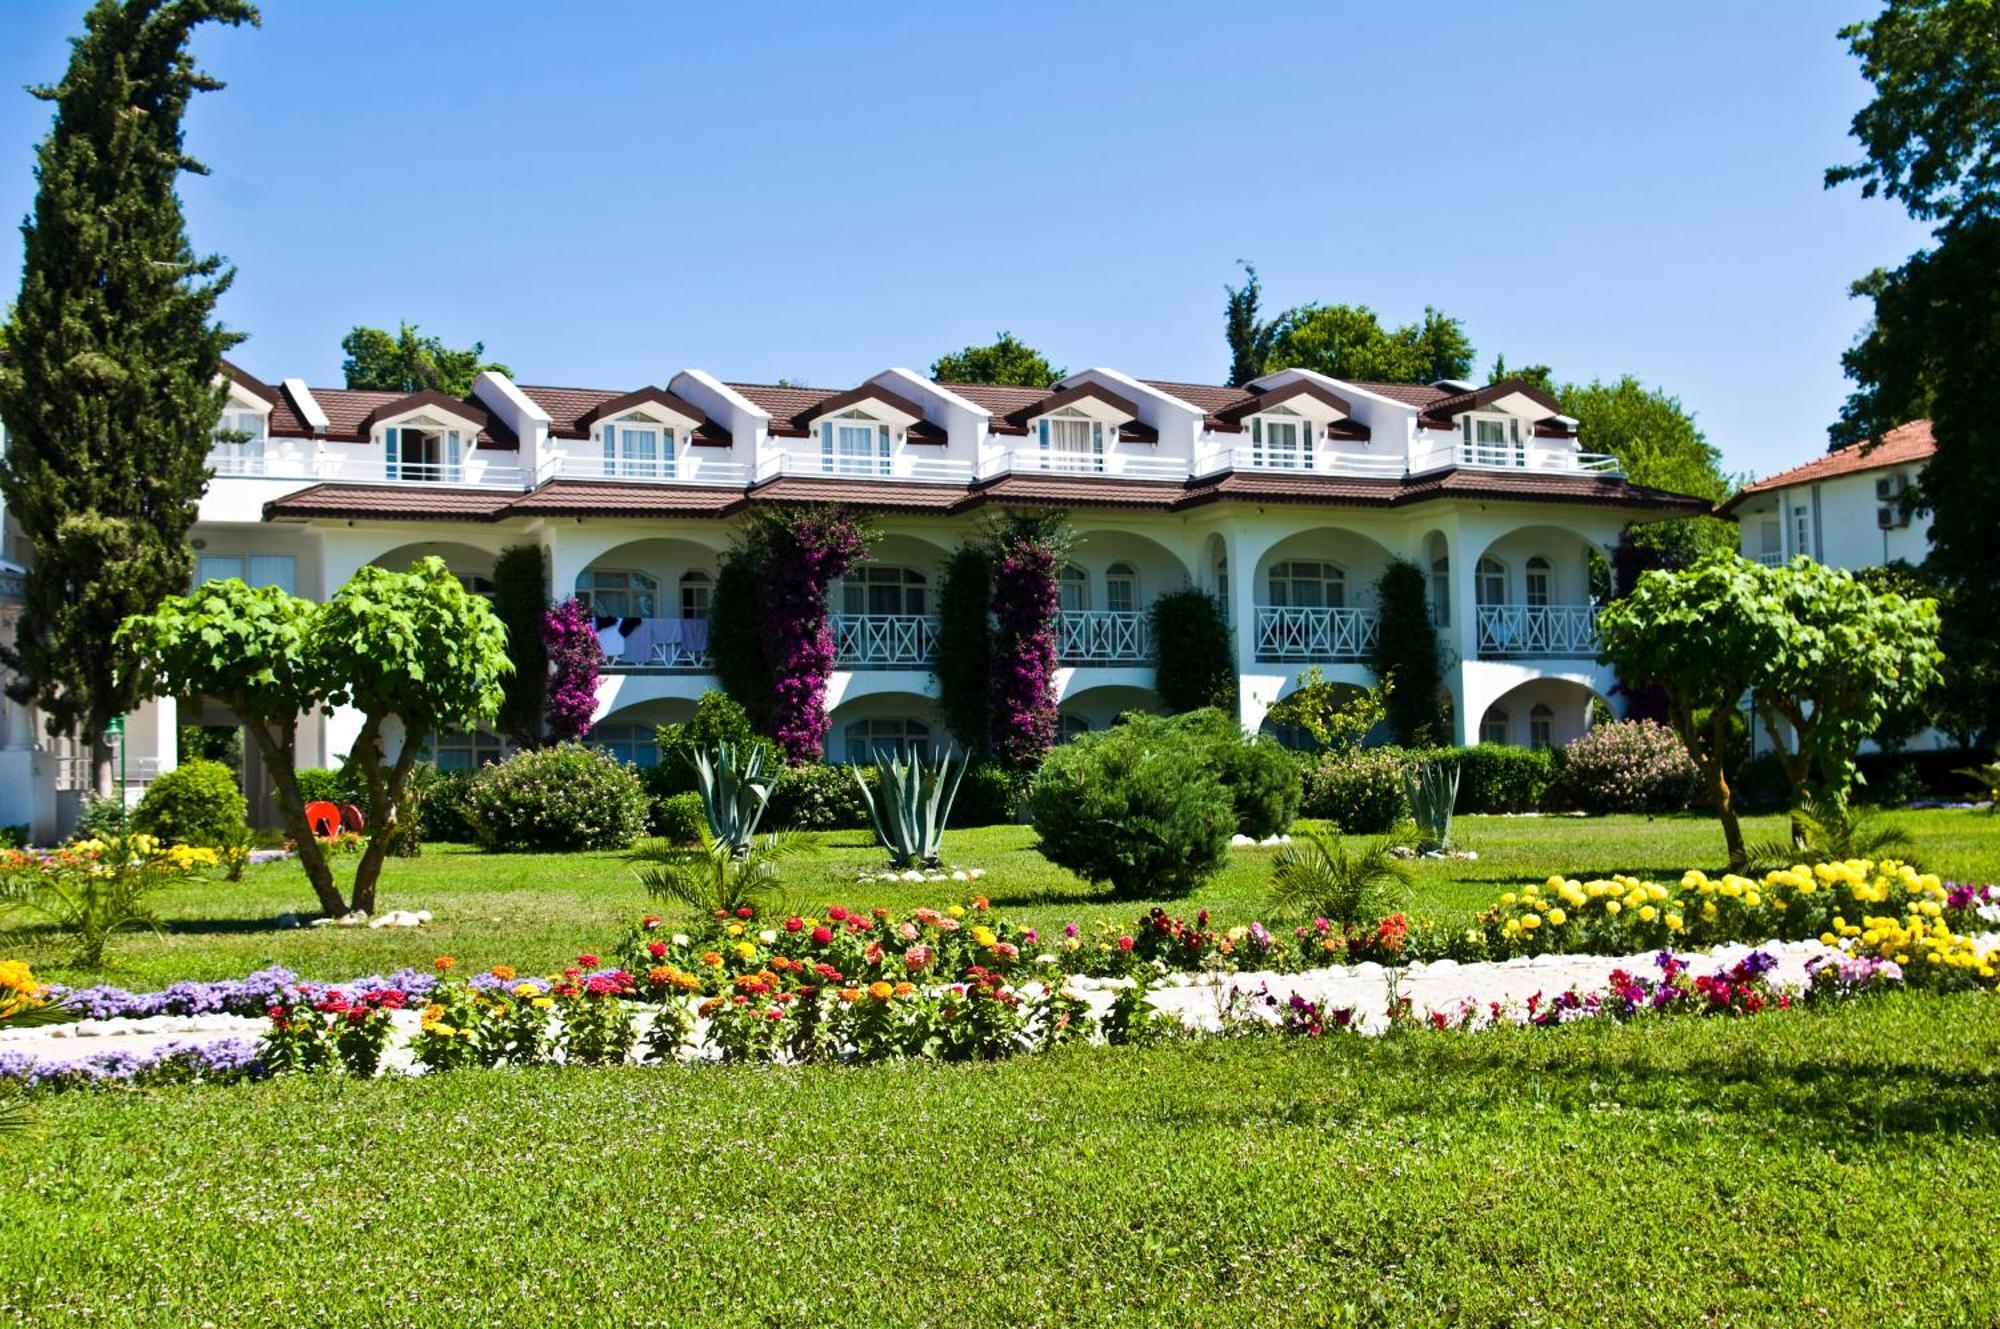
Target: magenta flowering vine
{"x": 1026, "y": 552}
{"x": 800, "y": 555}
{"x": 574, "y": 658}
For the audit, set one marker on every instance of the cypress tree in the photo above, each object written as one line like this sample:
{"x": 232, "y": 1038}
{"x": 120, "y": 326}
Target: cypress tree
{"x": 521, "y": 598}
{"x": 963, "y": 660}
{"x": 1406, "y": 650}
{"x": 110, "y": 387}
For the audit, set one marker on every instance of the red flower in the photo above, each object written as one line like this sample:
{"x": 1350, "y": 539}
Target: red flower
{"x": 795, "y": 924}
{"x": 1125, "y": 943}
{"x": 650, "y": 921}
{"x": 746, "y": 912}
{"x": 822, "y": 935}
{"x": 587, "y": 960}
{"x": 656, "y": 949}
{"x": 837, "y": 914}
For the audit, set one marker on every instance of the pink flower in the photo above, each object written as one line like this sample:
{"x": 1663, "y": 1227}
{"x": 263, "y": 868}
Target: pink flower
{"x": 908, "y": 932}
{"x": 822, "y": 935}
{"x": 916, "y": 958}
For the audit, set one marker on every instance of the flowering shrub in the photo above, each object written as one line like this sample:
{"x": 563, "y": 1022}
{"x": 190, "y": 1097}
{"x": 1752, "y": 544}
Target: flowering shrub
{"x": 250, "y": 995}
{"x": 800, "y": 555}
{"x": 309, "y": 1031}
{"x": 1361, "y": 791}
{"x": 1629, "y": 766}
{"x": 557, "y": 798}
{"x": 597, "y": 1027}
{"x": 575, "y": 655}
{"x": 1025, "y": 600}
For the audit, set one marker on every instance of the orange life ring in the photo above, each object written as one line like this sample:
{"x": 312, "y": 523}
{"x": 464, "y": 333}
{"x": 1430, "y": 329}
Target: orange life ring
{"x": 323, "y": 818}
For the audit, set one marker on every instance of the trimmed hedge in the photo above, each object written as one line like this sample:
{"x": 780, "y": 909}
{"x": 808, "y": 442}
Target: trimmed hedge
{"x": 1495, "y": 778}
{"x": 1629, "y": 766}
{"x": 818, "y": 797}
{"x": 680, "y": 819}
{"x": 199, "y": 803}
{"x": 564, "y": 797}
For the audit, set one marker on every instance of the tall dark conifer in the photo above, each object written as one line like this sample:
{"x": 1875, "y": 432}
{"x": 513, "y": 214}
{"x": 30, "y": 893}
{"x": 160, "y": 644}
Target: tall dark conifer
{"x": 109, "y": 388}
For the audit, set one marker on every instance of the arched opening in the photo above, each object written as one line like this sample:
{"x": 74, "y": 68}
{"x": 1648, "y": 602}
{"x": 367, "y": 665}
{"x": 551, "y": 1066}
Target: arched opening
{"x": 471, "y": 565}
{"x": 1121, "y": 588}
{"x": 1072, "y": 589}
{"x": 1071, "y": 725}
{"x": 1542, "y": 713}
{"x": 1544, "y": 612}
{"x": 1541, "y": 725}
{"x": 1496, "y": 726}
{"x": 1316, "y": 598}
{"x": 639, "y": 595}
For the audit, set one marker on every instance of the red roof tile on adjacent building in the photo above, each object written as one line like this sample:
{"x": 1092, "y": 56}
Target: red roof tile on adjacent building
{"x": 1901, "y": 446}
{"x": 393, "y": 501}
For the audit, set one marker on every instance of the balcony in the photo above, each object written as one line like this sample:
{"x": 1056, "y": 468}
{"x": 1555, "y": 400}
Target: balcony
{"x": 1526, "y": 456}
{"x": 325, "y": 466}
{"x": 1103, "y": 637}
{"x": 997, "y": 462}
{"x": 1771, "y": 559}
{"x": 883, "y": 641}
{"x": 1315, "y": 636}
{"x": 906, "y": 467}
{"x": 1532, "y": 632}
{"x": 655, "y": 646}
{"x": 1384, "y": 466}
{"x": 690, "y": 469}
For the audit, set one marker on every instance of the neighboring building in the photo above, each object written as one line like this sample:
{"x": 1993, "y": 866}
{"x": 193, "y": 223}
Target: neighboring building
{"x": 1286, "y": 499}
{"x": 1844, "y": 509}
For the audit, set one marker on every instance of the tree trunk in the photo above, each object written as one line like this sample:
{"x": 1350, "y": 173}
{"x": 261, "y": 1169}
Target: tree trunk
{"x": 1725, "y": 798}
{"x": 383, "y": 797}
{"x": 281, "y": 764}
{"x": 103, "y": 767}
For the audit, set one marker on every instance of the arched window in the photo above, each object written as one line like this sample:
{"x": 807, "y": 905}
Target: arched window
{"x": 614, "y": 593}
{"x": 1491, "y": 576}
{"x": 695, "y": 588}
{"x": 1540, "y": 576}
{"x": 868, "y": 739}
{"x": 1541, "y": 726}
{"x": 1493, "y": 726}
{"x": 1072, "y": 589}
{"x": 875, "y": 588}
{"x": 1121, "y": 588}
{"x": 1069, "y": 725}
{"x": 1281, "y": 439}
{"x": 1222, "y": 587}
{"x": 1440, "y": 591}
{"x": 633, "y": 744}
{"x": 1301, "y": 584}
{"x": 452, "y": 750}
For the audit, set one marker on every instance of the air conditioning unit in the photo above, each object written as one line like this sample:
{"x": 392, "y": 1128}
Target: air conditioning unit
{"x": 1891, "y": 486}
{"x": 1890, "y": 517}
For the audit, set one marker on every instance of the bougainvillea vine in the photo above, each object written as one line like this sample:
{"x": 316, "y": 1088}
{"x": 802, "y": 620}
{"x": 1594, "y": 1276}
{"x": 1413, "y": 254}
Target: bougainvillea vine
{"x": 800, "y": 554}
{"x": 1026, "y": 554}
{"x": 574, "y": 658}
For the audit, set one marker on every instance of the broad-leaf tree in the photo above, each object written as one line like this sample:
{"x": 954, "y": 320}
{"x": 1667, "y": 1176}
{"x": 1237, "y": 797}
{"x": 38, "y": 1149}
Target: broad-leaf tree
{"x": 1006, "y": 361}
{"x": 1341, "y": 341}
{"x": 1930, "y": 139}
{"x": 109, "y": 381}
{"x": 413, "y": 651}
{"x": 1657, "y": 443}
{"x": 1705, "y": 636}
{"x": 408, "y": 361}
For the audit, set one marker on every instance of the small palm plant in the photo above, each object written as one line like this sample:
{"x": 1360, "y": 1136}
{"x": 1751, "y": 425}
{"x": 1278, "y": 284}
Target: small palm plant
{"x": 713, "y": 879}
{"x": 1988, "y": 777}
{"x": 909, "y": 806}
{"x": 734, "y": 793}
{"x": 1829, "y": 831}
{"x": 1432, "y": 787}
{"x": 1312, "y": 878}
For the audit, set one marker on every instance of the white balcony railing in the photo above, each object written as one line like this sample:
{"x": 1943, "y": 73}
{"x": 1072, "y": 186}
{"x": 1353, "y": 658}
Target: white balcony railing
{"x": 1250, "y": 457}
{"x": 1103, "y": 637}
{"x": 1315, "y": 634}
{"x": 690, "y": 469}
{"x": 883, "y": 641}
{"x": 1034, "y": 461}
{"x": 1436, "y": 456}
{"x": 475, "y": 471}
{"x": 1521, "y": 632}
{"x": 907, "y": 466}
{"x": 1771, "y": 559}
{"x": 654, "y": 645}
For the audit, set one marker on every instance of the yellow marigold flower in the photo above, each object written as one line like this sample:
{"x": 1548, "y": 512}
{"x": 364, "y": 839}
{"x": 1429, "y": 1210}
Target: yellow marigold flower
{"x": 1612, "y": 907}
{"x": 744, "y": 950}
{"x": 956, "y": 911}
{"x": 1507, "y": 899}
{"x": 881, "y": 991}
{"x": 1531, "y": 922}
{"x": 1673, "y": 922}
{"x": 1557, "y": 917}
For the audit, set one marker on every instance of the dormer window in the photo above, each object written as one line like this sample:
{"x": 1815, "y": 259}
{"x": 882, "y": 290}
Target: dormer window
{"x": 638, "y": 447}
{"x": 1281, "y": 440}
{"x": 854, "y": 444}
{"x": 1492, "y": 440}
{"x": 1071, "y": 441}
{"x": 423, "y": 449}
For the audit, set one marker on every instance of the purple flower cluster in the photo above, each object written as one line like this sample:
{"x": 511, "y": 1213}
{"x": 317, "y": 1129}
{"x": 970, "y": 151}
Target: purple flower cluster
{"x": 574, "y": 658}
{"x": 1025, "y": 600}
{"x": 222, "y": 1061}
{"x": 803, "y": 553}
{"x": 250, "y": 995}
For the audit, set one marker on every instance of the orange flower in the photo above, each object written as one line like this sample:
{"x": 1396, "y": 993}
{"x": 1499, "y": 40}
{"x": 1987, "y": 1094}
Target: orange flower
{"x": 881, "y": 991}
{"x": 905, "y": 989}
{"x": 708, "y": 1008}
{"x": 443, "y": 963}
{"x": 850, "y": 995}
{"x": 504, "y": 972}
{"x": 659, "y": 975}
{"x": 711, "y": 957}
{"x": 979, "y": 903}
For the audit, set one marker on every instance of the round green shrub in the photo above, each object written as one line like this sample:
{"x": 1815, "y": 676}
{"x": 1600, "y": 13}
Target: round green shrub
{"x": 1361, "y": 792}
{"x": 1262, "y": 779}
{"x": 1136, "y": 806}
{"x": 819, "y": 797}
{"x": 679, "y": 818}
{"x": 319, "y": 784}
{"x": 557, "y": 798}
{"x": 444, "y": 815}
{"x": 195, "y": 804}
{"x": 1629, "y": 766}
{"x": 1494, "y": 777}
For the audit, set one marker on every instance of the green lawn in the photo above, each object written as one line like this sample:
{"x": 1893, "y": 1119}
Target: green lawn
{"x": 536, "y": 911}
{"x": 1825, "y": 1168}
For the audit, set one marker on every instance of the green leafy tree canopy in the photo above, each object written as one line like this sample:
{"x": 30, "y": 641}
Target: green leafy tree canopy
{"x": 1006, "y": 361}
{"x": 408, "y": 361}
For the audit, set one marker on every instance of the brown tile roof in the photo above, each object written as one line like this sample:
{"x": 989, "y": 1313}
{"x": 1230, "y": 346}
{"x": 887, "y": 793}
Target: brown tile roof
{"x": 571, "y": 498}
{"x": 840, "y": 401}
{"x": 878, "y": 496}
{"x": 251, "y": 384}
{"x": 394, "y": 501}
{"x": 784, "y": 404}
{"x": 565, "y": 406}
{"x": 1302, "y": 387}
{"x": 1077, "y": 491}
{"x": 1055, "y": 401}
{"x": 350, "y": 413}
{"x": 1202, "y": 396}
{"x": 1440, "y": 413}
{"x": 996, "y": 400}
{"x": 1548, "y": 487}
{"x": 1901, "y": 446}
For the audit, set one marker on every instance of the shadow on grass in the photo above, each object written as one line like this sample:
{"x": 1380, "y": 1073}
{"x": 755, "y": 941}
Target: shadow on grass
{"x": 205, "y": 927}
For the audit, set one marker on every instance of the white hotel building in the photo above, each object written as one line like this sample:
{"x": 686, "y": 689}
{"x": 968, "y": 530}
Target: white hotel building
{"x": 1286, "y": 499}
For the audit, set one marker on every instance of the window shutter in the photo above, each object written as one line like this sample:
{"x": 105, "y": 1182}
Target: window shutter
{"x": 1043, "y": 429}
{"x": 1256, "y": 429}
{"x": 826, "y": 442}
{"x": 1466, "y": 422}
{"x": 389, "y": 453}
{"x": 667, "y": 461}
{"x": 451, "y": 454}
{"x": 1097, "y": 438}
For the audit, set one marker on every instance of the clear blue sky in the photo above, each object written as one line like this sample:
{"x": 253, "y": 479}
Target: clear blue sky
{"x": 606, "y": 192}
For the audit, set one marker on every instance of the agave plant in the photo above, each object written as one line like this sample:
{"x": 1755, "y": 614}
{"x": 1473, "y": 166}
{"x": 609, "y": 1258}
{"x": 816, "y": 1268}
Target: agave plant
{"x": 712, "y": 879}
{"x": 1432, "y": 787}
{"x": 1312, "y": 878}
{"x": 734, "y": 793}
{"x": 909, "y": 805}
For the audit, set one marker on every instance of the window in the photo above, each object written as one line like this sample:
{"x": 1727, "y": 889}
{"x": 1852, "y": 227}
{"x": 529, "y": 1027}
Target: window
{"x": 279, "y": 570}
{"x": 1771, "y": 543}
{"x": 1222, "y": 587}
{"x": 1541, "y": 726}
{"x": 239, "y": 442}
{"x": 1070, "y": 725}
{"x": 867, "y": 739}
{"x": 875, "y": 589}
{"x": 451, "y": 750}
{"x": 637, "y": 447}
{"x": 1493, "y": 726}
{"x": 1072, "y": 442}
{"x": 1440, "y": 591}
{"x": 1307, "y": 585}
{"x": 612, "y": 593}
{"x": 1491, "y": 576}
{"x": 1492, "y": 440}
{"x": 695, "y": 589}
{"x": 633, "y": 744}
{"x": 1072, "y": 589}
{"x": 854, "y": 445}
{"x": 1802, "y": 530}
{"x": 421, "y": 452}
{"x": 1283, "y": 444}
{"x": 1121, "y": 588}
{"x": 1539, "y": 577}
